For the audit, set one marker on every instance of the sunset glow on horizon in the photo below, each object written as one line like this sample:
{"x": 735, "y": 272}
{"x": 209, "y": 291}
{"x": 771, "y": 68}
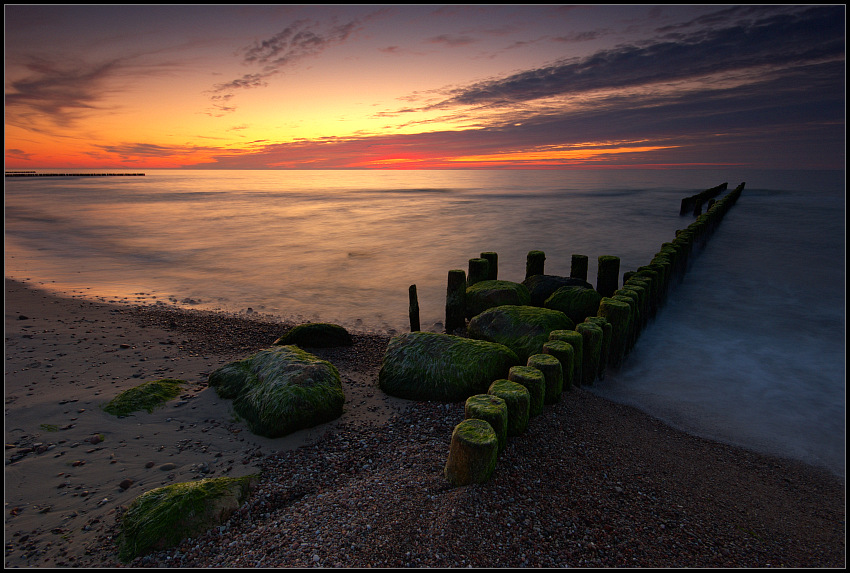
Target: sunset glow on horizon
{"x": 424, "y": 86}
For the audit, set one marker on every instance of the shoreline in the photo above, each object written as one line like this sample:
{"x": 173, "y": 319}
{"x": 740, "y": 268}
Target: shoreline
{"x": 592, "y": 482}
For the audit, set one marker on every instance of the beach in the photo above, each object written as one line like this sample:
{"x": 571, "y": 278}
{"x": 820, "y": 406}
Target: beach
{"x": 591, "y": 483}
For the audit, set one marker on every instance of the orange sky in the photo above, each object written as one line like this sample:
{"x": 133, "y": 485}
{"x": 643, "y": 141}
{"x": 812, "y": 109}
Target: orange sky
{"x": 423, "y": 87}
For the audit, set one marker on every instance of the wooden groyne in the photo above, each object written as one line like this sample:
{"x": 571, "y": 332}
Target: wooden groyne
{"x": 602, "y": 340}
{"x": 36, "y": 174}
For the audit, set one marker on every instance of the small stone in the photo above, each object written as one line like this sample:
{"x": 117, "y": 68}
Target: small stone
{"x": 125, "y": 484}
{"x": 168, "y": 466}
{"x": 149, "y": 465}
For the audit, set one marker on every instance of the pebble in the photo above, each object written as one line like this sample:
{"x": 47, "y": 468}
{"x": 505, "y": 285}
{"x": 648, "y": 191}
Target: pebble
{"x": 168, "y": 466}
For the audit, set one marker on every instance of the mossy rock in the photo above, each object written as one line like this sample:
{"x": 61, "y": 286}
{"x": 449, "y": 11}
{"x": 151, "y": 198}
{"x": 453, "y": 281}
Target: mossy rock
{"x": 280, "y": 390}
{"x": 518, "y": 400}
{"x": 441, "y": 367}
{"x": 533, "y": 381}
{"x": 316, "y": 335}
{"x": 523, "y": 329}
{"x": 542, "y": 287}
{"x": 147, "y": 396}
{"x": 553, "y": 374}
{"x": 162, "y": 517}
{"x": 473, "y": 453}
{"x": 492, "y": 410}
{"x": 576, "y": 302}
{"x": 490, "y": 293}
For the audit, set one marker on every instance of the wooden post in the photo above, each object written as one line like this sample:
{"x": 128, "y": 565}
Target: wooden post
{"x": 607, "y": 275}
{"x": 578, "y": 267}
{"x": 456, "y": 300}
{"x": 534, "y": 261}
{"x": 479, "y": 270}
{"x": 493, "y": 260}
{"x": 414, "y": 308}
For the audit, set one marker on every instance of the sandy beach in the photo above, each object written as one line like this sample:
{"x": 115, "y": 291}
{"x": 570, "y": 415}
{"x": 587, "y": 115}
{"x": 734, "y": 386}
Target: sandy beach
{"x": 592, "y": 483}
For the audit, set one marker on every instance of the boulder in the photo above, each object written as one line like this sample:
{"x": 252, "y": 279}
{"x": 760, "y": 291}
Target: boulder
{"x": 575, "y": 301}
{"x": 489, "y": 293}
{"x": 316, "y": 335}
{"x": 280, "y": 390}
{"x": 442, "y": 367}
{"x": 523, "y": 329}
{"x": 542, "y": 287}
{"x": 162, "y": 517}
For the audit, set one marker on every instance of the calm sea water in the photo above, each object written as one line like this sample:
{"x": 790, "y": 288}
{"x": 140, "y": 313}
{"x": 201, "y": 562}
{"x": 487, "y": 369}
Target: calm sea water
{"x": 749, "y": 349}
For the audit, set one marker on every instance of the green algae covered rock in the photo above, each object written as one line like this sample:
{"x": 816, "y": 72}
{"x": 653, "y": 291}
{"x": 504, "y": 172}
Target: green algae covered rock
{"x": 490, "y": 293}
{"x": 280, "y": 390}
{"x": 523, "y": 329}
{"x": 576, "y": 302}
{"x": 316, "y": 335}
{"x": 518, "y": 400}
{"x": 145, "y": 396}
{"x": 441, "y": 367}
{"x": 162, "y": 517}
{"x": 492, "y": 410}
{"x": 473, "y": 453}
{"x": 542, "y": 286}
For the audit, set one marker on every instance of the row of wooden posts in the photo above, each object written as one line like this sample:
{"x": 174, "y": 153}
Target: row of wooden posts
{"x": 509, "y": 404}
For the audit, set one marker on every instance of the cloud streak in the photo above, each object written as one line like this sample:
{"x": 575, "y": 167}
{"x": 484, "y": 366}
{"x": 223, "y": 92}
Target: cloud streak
{"x": 298, "y": 41}
{"x": 775, "y": 40}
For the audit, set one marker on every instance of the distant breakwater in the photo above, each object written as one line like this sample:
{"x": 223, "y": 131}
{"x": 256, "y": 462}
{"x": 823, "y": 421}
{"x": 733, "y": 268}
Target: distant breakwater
{"x": 37, "y": 174}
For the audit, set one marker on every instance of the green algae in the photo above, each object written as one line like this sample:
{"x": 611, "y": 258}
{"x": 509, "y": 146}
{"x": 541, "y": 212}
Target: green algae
{"x": 565, "y": 353}
{"x": 553, "y": 375}
{"x": 534, "y": 381}
{"x": 280, "y": 390}
{"x": 162, "y": 517}
{"x": 492, "y": 293}
{"x": 147, "y": 396}
{"x": 441, "y": 367}
{"x": 576, "y": 340}
{"x": 523, "y": 329}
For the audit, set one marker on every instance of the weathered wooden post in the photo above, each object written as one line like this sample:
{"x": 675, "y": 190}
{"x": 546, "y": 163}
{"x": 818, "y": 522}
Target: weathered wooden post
{"x": 565, "y": 353}
{"x": 534, "y": 263}
{"x": 479, "y": 270}
{"x": 413, "y": 310}
{"x": 493, "y": 261}
{"x": 518, "y": 400}
{"x": 576, "y": 340}
{"x": 592, "y": 334}
{"x": 492, "y": 410}
{"x": 473, "y": 453}
{"x": 456, "y": 301}
{"x": 578, "y": 267}
{"x": 553, "y": 374}
{"x": 608, "y": 275}
{"x": 607, "y": 332}
{"x": 534, "y": 382}
{"x": 617, "y": 313}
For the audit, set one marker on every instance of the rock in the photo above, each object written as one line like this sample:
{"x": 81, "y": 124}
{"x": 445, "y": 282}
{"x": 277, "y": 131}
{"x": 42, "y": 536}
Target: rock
{"x": 280, "y": 390}
{"x": 523, "y": 329}
{"x": 441, "y": 367}
{"x": 489, "y": 293}
{"x": 316, "y": 335}
{"x": 168, "y": 466}
{"x": 125, "y": 484}
{"x": 161, "y": 518}
{"x": 575, "y": 301}
{"x": 542, "y": 287}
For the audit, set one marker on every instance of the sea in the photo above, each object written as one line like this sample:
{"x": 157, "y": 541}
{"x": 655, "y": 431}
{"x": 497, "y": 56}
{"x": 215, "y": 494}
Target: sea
{"x": 749, "y": 348}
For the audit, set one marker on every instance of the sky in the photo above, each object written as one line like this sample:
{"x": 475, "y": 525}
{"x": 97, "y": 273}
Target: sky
{"x": 424, "y": 86}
